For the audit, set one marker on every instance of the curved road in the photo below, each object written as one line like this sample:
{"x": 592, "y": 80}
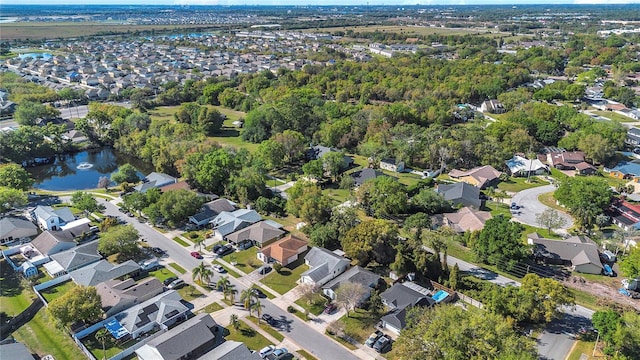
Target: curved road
{"x": 530, "y": 206}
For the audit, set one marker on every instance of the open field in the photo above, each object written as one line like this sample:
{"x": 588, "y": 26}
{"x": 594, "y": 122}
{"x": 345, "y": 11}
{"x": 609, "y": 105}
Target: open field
{"x": 42, "y": 336}
{"x": 614, "y": 116}
{"x": 417, "y": 30}
{"x": 54, "y": 30}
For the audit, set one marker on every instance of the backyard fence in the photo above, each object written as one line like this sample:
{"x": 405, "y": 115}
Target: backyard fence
{"x": 17, "y": 321}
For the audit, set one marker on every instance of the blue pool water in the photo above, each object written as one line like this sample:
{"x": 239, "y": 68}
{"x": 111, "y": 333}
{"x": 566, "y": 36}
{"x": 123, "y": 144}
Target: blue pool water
{"x": 440, "y": 295}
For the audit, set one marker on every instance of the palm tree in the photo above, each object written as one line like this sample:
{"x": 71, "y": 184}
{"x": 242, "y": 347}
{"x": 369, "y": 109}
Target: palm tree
{"x": 223, "y": 284}
{"x": 102, "y": 336}
{"x": 246, "y": 297}
{"x": 257, "y": 306}
{"x": 198, "y": 242}
{"x": 231, "y": 291}
{"x": 234, "y": 321}
{"x": 201, "y": 272}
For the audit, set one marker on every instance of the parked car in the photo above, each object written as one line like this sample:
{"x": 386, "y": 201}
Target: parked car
{"x": 226, "y": 249}
{"x": 330, "y": 308}
{"x": 158, "y": 251}
{"x": 266, "y": 351}
{"x": 514, "y": 206}
{"x": 245, "y": 244}
{"x": 258, "y": 293}
{"x": 169, "y": 280}
{"x": 150, "y": 265}
{"x": 264, "y": 269}
{"x": 176, "y": 284}
{"x": 216, "y": 247}
{"x": 196, "y": 255}
{"x": 373, "y": 338}
{"x": 218, "y": 268}
{"x": 280, "y": 351}
{"x": 383, "y": 344}
{"x": 268, "y": 319}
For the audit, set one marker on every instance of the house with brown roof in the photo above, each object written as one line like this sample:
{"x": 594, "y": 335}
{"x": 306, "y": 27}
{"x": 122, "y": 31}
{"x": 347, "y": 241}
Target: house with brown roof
{"x": 578, "y": 252}
{"x": 260, "y": 233}
{"x": 481, "y": 177}
{"x": 570, "y": 160}
{"x": 49, "y": 243}
{"x": 210, "y": 210}
{"x": 284, "y": 251}
{"x": 466, "y": 219}
{"x": 118, "y": 295}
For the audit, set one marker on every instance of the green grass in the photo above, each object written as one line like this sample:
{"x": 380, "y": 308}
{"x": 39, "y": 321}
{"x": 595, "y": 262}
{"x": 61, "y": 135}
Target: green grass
{"x": 55, "y": 292}
{"x": 245, "y": 260}
{"x": 112, "y": 347}
{"x": 317, "y": 304}
{"x": 550, "y": 201}
{"x": 14, "y": 299}
{"x": 302, "y": 316}
{"x": 286, "y": 279}
{"x": 41, "y": 336}
{"x": 229, "y": 271}
{"x": 359, "y": 325}
{"x": 337, "y": 196}
{"x": 516, "y": 184}
{"x": 162, "y": 274}
{"x": 195, "y": 235}
{"x": 497, "y": 208}
{"x": 250, "y": 337}
{"x": 582, "y": 347}
{"x": 178, "y": 268}
{"x": 181, "y": 242}
{"x": 306, "y": 355}
{"x": 213, "y": 307}
{"x": 614, "y": 116}
{"x": 268, "y": 293}
{"x": 342, "y": 341}
{"x": 266, "y": 327}
{"x": 586, "y": 299}
{"x": 189, "y": 293}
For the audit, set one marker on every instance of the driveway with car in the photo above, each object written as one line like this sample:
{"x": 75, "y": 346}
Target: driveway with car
{"x": 530, "y": 206}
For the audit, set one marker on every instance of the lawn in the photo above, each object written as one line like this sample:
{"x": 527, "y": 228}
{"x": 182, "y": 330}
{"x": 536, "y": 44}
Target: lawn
{"x": 188, "y": 293}
{"x": 306, "y": 355}
{"x": 229, "y": 271}
{"x": 112, "y": 347}
{"x": 266, "y": 327}
{"x": 586, "y": 299}
{"x": 614, "y": 116}
{"x": 268, "y": 293}
{"x": 516, "y": 184}
{"x": 213, "y": 307}
{"x": 246, "y": 334}
{"x": 41, "y": 336}
{"x": 497, "y": 208}
{"x": 582, "y": 347}
{"x": 286, "y": 279}
{"x": 195, "y": 235}
{"x": 245, "y": 260}
{"x": 550, "y": 201}
{"x": 14, "y": 299}
{"x": 162, "y": 274}
{"x": 317, "y": 304}
{"x": 181, "y": 242}
{"x": 359, "y": 325}
{"x": 407, "y": 179}
{"x": 178, "y": 268}
{"x": 337, "y": 196}
{"x": 55, "y": 292}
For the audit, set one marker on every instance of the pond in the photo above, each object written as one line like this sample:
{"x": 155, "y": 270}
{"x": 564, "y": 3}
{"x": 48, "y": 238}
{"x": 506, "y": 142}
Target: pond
{"x": 81, "y": 171}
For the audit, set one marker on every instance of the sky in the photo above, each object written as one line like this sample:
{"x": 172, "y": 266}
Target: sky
{"x": 311, "y": 2}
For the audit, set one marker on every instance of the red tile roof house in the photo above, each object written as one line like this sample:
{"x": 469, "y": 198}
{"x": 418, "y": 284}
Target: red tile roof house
{"x": 571, "y": 160}
{"x": 284, "y": 251}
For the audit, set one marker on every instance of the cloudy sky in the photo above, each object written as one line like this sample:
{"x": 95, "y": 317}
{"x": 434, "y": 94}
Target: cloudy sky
{"x": 312, "y": 2}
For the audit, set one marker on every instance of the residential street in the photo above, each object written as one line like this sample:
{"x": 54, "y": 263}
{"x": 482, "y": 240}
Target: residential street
{"x": 530, "y": 206}
{"x": 295, "y": 329}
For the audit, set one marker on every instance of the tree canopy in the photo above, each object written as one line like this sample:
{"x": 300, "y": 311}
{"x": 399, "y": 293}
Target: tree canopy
{"x": 121, "y": 239}
{"x": 15, "y": 176}
{"x": 371, "y": 240}
{"x": 126, "y": 173}
{"x": 630, "y": 265}
{"x": 79, "y": 303}
{"x": 500, "y": 243}
{"x": 585, "y": 197}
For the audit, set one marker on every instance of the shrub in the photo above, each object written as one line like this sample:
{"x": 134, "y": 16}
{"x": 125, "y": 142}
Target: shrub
{"x": 277, "y": 267}
{"x": 291, "y": 309}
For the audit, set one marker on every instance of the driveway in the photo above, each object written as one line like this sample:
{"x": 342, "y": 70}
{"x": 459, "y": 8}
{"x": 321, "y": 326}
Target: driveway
{"x": 530, "y": 206}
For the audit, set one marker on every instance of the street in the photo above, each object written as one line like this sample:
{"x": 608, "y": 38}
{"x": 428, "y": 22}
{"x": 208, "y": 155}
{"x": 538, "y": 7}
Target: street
{"x": 530, "y": 206}
{"x": 295, "y": 329}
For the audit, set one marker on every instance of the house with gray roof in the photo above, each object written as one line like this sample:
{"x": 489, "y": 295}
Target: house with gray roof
{"x": 318, "y": 151}
{"x": 461, "y": 194}
{"x": 94, "y": 274}
{"x": 578, "y": 252}
{"x": 15, "y": 351}
{"x": 364, "y": 175}
{"x": 118, "y": 295}
{"x": 227, "y": 222}
{"x": 52, "y": 242}
{"x": 231, "y": 350}
{"x": 324, "y": 266}
{"x": 50, "y": 219}
{"x": 72, "y": 259}
{"x": 12, "y": 228}
{"x": 357, "y": 275}
{"x": 155, "y": 180}
{"x": 188, "y": 340}
{"x": 400, "y": 298}
{"x": 210, "y": 210}
{"x": 260, "y": 233}
{"x": 160, "y": 311}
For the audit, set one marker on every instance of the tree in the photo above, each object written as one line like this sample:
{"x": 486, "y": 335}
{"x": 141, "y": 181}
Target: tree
{"x": 210, "y": 172}
{"x": 10, "y": 197}
{"x": 313, "y": 169}
{"x": 306, "y": 292}
{"x": 272, "y": 153}
{"x": 383, "y": 196}
{"x": 550, "y": 219}
{"x": 585, "y": 197}
{"x": 349, "y": 295}
{"x": 452, "y": 333}
{"x": 122, "y": 239}
{"x": 430, "y": 202}
{"x": 376, "y": 306}
{"x": 125, "y": 173}
{"x": 499, "y": 243}
{"x": 28, "y": 112}
{"x": 198, "y": 242}
{"x": 247, "y": 297}
{"x": 333, "y": 163}
{"x": 234, "y": 322}
{"x": 15, "y": 176}
{"x": 257, "y": 307}
{"x": 596, "y": 147}
{"x": 627, "y": 336}
{"x": 85, "y": 202}
{"x": 417, "y": 221}
{"x": 454, "y": 276}
{"x": 103, "y": 337}
{"x": 107, "y": 223}
{"x": 372, "y": 240}
{"x": 210, "y": 121}
{"x": 277, "y": 267}
{"x": 607, "y": 323}
{"x": 309, "y": 203}
{"x": 201, "y": 272}
{"x": 177, "y": 205}
{"x": 104, "y": 182}
{"x": 80, "y": 303}
{"x": 293, "y": 144}
{"x": 630, "y": 265}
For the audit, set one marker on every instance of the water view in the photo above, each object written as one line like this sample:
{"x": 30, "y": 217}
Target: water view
{"x": 82, "y": 170}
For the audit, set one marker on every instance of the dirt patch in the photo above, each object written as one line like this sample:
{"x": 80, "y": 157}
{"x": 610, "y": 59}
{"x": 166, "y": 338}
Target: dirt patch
{"x": 601, "y": 291}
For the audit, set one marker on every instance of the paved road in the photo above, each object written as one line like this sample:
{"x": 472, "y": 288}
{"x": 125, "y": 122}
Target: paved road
{"x": 531, "y": 206}
{"x": 298, "y": 331}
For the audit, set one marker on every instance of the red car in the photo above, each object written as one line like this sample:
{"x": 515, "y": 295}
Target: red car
{"x": 196, "y": 255}
{"x": 330, "y": 308}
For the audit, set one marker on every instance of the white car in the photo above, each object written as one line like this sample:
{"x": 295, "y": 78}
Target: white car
{"x": 218, "y": 268}
{"x": 266, "y": 351}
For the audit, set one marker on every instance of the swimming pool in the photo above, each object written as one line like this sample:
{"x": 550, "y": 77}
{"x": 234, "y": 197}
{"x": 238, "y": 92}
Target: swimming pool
{"x": 440, "y": 295}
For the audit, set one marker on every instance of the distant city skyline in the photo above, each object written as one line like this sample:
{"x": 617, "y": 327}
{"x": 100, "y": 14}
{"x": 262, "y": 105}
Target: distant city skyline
{"x": 311, "y": 2}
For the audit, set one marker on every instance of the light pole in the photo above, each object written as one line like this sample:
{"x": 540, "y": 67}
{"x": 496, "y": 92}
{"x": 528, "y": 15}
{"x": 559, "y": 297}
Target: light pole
{"x": 596, "y": 345}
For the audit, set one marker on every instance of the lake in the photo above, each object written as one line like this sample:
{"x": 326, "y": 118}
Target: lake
{"x": 81, "y": 171}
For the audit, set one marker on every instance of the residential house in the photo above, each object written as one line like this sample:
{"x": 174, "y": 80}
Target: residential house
{"x": 260, "y": 233}
{"x": 72, "y": 259}
{"x": 318, "y": 151}
{"x": 15, "y": 351}
{"x": 49, "y": 243}
{"x": 466, "y": 219}
{"x": 12, "y": 228}
{"x": 181, "y": 185}
{"x": 230, "y": 350}
{"x": 284, "y": 251}
{"x": 571, "y": 160}
{"x": 492, "y": 107}
{"x": 480, "y": 177}
{"x": 155, "y": 180}
{"x": 161, "y": 311}
{"x": 461, "y": 194}
{"x": 228, "y": 222}
{"x": 49, "y": 219}
{"x": 399, "y": 299}
{"x": 188, "y": 340}
{"x": 95, "y": 273}
{"x": 579, "y": 252}
{"x": 118, "y": 295}
{"x": 633, "y": 137}
{"x": 625, "y": 170}
{"x": 521, "y": 166}
{"x": 625, "y": 214}
{"x": 210, "y": 210}
{"x": 324, "y": 266}
{"x": 392, "y": 165}
{"x": 357, "y": 275}
{"x": 362, "y": 176}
